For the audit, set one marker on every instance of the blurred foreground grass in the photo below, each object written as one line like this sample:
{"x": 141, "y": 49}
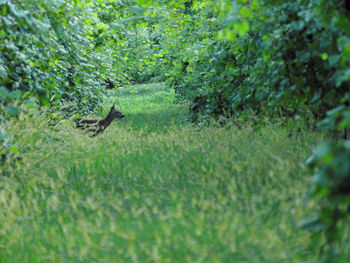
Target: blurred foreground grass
{"x": 153, "y": 189}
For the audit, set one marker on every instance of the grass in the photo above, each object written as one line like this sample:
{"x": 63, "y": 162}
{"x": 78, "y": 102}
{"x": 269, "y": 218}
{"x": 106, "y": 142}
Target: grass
{"x": 152, "y": 188}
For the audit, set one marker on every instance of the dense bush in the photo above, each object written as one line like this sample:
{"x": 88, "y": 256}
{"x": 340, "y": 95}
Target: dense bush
{"x": 45, "y": 54}
{"x": 330, "y": 183}
{"x": 284, "y": 56}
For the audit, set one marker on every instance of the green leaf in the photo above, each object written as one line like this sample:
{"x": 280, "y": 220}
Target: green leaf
{"x": 15, "y": 94}
{"x": 320, "y": 152}
{"x": 313, "y": 224}
{"x": 336, "y": 111}
{"x": 44, "y": 101}
{"x": 242, "y": 28}
{"x": 3, "y": 72}
{"x": 4, "y": 92}
{"x": 245, "y": 12}
{"x": 14, "y": 149}
{"x": 342, "y": 76}
{"x": 324, "y": 56}
{"x": 343, "y": 42}
{"x": 138, "y": 10}
{"x": 333, "y": 60}
{"x": 12, "y": 110}
{"x": 4, "y": 10}
{"x": 226, "y": 34}
{"x": 2, "y": 118}
{"x": 144, "y": 3}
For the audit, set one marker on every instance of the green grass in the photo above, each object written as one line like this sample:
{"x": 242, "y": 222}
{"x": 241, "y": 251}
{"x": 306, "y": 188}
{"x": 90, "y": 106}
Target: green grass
{"x": 152, "y": 188}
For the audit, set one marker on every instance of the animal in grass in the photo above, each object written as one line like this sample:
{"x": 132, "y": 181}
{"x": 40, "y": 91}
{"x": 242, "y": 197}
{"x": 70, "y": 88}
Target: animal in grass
{"x": 98, "y": 126}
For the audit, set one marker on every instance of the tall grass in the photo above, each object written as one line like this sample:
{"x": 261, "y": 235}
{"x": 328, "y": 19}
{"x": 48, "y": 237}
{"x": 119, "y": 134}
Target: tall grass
{"x": 154, "y": 189}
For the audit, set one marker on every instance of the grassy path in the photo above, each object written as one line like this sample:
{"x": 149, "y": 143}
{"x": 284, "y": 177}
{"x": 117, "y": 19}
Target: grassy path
{"x": 152, "y": 189}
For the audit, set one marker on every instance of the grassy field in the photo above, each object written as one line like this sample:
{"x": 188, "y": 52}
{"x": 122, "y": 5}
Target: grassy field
{"x": 153, "y": 188}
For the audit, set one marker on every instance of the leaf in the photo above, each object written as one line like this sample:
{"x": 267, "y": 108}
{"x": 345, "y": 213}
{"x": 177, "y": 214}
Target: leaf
{"x": 242, "y": 28}
{"x": 343, "y": 42}
{"x": 3, "y": 92}
{"x": 144, "y": 3}
{"x": 320, "y": 152}
{"x": 14, "y": 149}
{"x": 12, "y": 110}
{"x": 138, "y": 10}
{"x": 313, "y": 224}
{"x": 44, "y": 101}
{"x": 245, "y": 12}
{"x": 333, "y": 60}
{"x": 316, "y": 97}
{"x": 342, "y": 76}
{"x": 16, "y": 94}
{"x": 3, "y": 72}
{"x": 336, "y": 111}
{"x": 226, "y": 34}
{"x": 324, "y": 56}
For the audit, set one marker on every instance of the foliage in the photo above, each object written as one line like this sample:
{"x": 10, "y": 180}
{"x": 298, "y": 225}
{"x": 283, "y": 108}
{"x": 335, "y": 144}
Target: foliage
{"x": 331, "y": 180}
{"x": 284, "y": 56}
{"x": 45, "y": 53}
{"x": 135, "y": 34}
{"x": 330, "y": 186}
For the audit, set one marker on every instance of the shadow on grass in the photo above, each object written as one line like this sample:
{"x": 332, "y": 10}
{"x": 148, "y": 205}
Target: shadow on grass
{"x": 142, "y": 90}
{"x": 155, "y": 120}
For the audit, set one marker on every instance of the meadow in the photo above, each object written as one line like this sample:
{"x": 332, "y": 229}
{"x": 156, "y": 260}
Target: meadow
{"x": 155, "y": 188}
